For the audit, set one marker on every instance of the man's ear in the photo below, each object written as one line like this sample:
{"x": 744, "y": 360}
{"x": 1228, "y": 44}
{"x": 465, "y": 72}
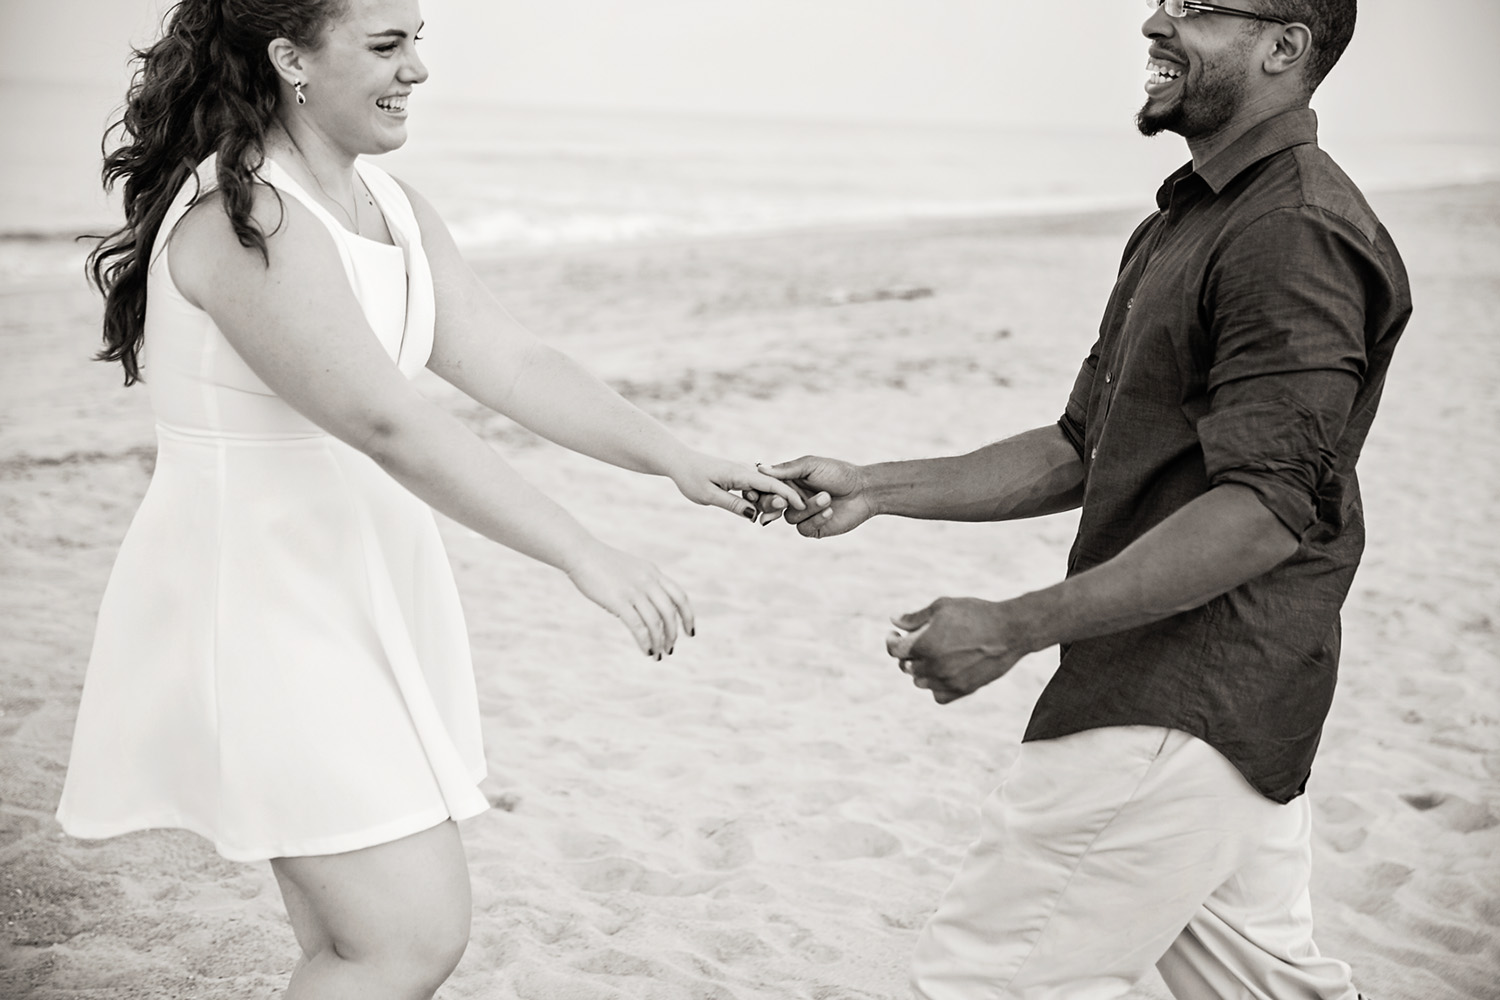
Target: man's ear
{"x": 287, "y": 60}
{"x": 1293, "y": 45}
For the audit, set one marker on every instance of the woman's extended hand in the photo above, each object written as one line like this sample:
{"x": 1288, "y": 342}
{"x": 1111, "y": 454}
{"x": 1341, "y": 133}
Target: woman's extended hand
{"x": 708, "y": 480}
{"x": 646, "y": 600}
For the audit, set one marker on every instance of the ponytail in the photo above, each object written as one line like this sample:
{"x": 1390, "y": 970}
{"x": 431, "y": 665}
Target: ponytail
{"x": 206, "y": 86}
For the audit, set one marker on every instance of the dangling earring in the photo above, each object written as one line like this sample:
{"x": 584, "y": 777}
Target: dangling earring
{"x": 301, "y": 97}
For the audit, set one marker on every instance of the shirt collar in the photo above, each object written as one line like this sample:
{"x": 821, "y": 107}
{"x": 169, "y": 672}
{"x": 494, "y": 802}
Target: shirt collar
{"x": 1281, "y": 132}
{"x": 1274, "y": 135}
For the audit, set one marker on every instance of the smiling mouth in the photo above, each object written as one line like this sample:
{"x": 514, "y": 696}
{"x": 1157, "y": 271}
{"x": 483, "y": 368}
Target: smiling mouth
{"x": 1160, "y": 76}
{"x": 392, "y": 104}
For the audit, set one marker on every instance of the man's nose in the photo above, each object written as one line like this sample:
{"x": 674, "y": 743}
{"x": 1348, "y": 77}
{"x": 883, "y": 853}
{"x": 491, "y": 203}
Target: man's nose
{"x": 1158, "y": 25}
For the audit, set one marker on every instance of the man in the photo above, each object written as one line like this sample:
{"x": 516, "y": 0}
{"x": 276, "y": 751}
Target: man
{"x": 1154, "y": 813}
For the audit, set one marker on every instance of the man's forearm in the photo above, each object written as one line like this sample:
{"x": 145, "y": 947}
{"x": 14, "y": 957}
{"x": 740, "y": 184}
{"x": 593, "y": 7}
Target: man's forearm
{"x": 1033, "y": 473}
{"x": 1217, "y": 542}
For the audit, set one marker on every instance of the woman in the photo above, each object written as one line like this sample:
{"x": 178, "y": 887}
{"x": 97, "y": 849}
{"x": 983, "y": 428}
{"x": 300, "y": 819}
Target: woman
{"x": 281, "y": 663}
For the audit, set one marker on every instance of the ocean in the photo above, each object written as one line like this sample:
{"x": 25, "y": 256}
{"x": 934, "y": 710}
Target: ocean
{"x": 508, "y": 178}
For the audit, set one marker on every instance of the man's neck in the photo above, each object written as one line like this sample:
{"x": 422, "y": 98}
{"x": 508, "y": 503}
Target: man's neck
{"x": 1206, "y": 147}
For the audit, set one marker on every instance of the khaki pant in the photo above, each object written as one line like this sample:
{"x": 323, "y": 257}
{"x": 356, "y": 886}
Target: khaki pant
{"x": 1111, "y": 850}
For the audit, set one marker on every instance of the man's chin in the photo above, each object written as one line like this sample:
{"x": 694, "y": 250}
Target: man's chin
{"x": 1151, "y": 122}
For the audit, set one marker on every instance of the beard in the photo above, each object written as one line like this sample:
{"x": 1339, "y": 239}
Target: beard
{"x": 1203, "y": 105}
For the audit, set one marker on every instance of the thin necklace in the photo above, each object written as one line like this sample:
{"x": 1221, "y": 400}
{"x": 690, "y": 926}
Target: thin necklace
{"x": 353, "y": 219}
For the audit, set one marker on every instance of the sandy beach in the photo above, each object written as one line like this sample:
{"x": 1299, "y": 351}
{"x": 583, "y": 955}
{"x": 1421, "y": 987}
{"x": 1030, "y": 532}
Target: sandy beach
{"x": 772, "y": 812}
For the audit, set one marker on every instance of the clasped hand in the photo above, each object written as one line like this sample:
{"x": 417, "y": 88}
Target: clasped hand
{"x": 834, "y": 496}
{"x": 711, "y": 481}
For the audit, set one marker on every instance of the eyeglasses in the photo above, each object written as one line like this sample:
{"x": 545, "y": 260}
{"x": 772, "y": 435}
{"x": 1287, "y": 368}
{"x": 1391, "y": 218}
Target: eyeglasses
{"x": 1182, "y": 8}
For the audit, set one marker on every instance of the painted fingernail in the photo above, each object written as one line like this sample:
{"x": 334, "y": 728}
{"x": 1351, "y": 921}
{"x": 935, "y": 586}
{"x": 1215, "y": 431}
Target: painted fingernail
{"x": 692, "y": 631}
{"x": 750, "y": 513}
{"x": 826, "y": 514}
{"x": 821, "y": 499}
{"x": 671, "y": 651}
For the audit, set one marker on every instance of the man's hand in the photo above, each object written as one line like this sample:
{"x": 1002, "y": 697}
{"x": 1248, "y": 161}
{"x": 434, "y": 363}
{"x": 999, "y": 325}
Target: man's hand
{"x": 957, "y": 645}
{"x": 835, "y": 491}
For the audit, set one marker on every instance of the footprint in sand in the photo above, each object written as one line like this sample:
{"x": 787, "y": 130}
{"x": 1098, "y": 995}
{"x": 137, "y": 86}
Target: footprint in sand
{"x": 1372, "y": 893}
{"x": 531, "y": 982}
{"x": 725, "y": 844}
{"x": 839, "y": 841}
{"x": 667, "y": 976}
{"x": 618, "y": 874}
{"x": 1346, "y": 840}
{"x": 801, "y": 941}
{"x": 578, "y": 845}
{"x": 909, "y": 919}
{"x": 1457, "y": 814}
{"x": 744, "y": 890}
{"x": 1342, "y": 823}
{"x": 733, "y": 946}
{"x": 816, "y": 798}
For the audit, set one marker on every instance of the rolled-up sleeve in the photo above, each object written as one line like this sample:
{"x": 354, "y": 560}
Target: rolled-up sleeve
{"x": 1289, "y": 354}
{"x": 1074, "y": 421}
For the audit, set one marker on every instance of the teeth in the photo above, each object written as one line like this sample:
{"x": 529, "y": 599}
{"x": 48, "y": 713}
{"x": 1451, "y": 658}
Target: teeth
{"x": 392, "y": 103}
{"x": 1161, "y": 72}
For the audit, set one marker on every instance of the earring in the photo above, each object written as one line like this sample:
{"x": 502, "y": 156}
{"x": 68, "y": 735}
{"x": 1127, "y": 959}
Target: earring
{"x": 301, "y": 97}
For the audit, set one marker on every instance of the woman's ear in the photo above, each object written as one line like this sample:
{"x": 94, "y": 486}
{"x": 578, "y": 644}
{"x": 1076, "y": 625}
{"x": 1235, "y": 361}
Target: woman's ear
{"x": 287, "y": 60}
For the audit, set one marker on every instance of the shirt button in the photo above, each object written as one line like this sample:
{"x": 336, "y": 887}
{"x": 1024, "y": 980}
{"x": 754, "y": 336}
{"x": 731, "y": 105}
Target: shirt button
{"x": 1130, "y": 302}
{"x": 1108, "y": 378}
{"x": 1093, "y": 454}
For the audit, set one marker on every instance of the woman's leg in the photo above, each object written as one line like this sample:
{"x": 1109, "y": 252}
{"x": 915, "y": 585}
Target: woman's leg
{"x": 312, "y": 936}
{"x": 388, "y": 922}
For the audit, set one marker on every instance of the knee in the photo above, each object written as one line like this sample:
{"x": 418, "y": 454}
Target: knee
{"x": 411, "y": 962}
{"x": 445, "y": 951}
{"x": 432, "y": 954}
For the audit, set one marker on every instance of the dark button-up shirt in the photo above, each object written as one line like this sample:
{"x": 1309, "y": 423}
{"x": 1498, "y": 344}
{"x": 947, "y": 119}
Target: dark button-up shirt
{"x": 1246, "y": 341}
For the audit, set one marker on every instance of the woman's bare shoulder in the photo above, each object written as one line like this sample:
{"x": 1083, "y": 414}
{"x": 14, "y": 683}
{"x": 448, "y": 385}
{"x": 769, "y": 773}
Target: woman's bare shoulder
{"x": 204, "y": 243}
{"x": 207, "y": 228}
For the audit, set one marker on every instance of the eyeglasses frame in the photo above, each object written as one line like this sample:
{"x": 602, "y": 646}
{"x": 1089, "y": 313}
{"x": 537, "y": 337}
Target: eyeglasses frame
{"x": 1213, "y": 8}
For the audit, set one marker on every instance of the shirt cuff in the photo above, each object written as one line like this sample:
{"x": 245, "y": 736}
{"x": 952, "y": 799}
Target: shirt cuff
{"x": 1073, "y": 431}
{"x": 1271, "y": 447}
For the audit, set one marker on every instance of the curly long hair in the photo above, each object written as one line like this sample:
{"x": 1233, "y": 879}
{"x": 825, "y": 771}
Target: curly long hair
{"x": 207, "y": 86}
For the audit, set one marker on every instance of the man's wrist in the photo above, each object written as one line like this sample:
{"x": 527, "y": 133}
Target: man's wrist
{"x": 1036, "y": 620}
{"x": 885, "y": 486}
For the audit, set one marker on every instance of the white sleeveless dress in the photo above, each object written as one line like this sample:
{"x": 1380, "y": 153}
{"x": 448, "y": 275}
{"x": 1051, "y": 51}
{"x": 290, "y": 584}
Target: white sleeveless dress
{"x": 280, "y": 662}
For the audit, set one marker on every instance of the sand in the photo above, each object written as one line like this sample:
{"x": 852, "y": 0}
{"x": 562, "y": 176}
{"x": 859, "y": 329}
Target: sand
{"x": 772, "y": 812}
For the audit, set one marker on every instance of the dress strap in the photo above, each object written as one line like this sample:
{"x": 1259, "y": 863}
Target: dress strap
{"x": 390, "y": 198}
{"x": 421, "y": 304}
{"x": 276, "y": 176}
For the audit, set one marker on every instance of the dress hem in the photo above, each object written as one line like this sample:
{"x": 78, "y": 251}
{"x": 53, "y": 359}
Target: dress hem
{"x": 335, "y": 844}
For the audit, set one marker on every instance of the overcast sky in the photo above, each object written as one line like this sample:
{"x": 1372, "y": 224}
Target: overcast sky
{"x": 1064, "y": 62}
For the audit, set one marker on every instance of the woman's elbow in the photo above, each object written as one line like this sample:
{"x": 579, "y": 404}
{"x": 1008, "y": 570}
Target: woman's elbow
{"x": 392, "y": 441}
